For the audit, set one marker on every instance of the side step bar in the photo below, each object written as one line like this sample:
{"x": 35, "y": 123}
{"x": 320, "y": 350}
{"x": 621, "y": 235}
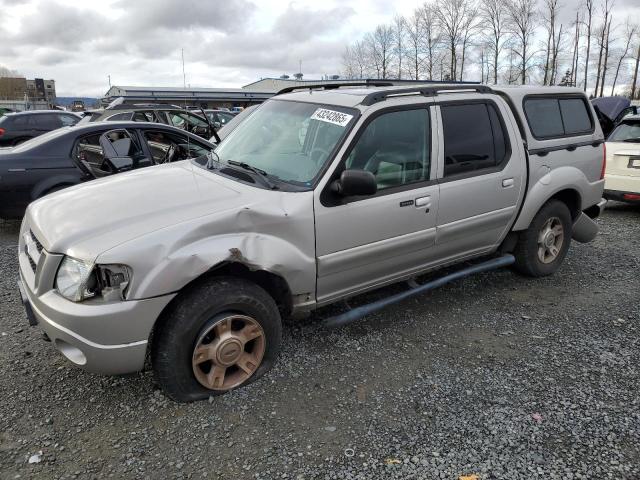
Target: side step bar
{"x": 359, "y": 312}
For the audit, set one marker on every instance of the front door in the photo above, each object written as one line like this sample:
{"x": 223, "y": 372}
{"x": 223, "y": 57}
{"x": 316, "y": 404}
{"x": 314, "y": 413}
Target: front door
{"x": 366, "y": 241}
{"x": 481, "y": 178}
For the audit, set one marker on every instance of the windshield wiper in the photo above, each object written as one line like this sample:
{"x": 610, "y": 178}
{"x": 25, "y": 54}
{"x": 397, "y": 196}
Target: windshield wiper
{"x": 260, "y": 173}
{"x": 632, "y": 140}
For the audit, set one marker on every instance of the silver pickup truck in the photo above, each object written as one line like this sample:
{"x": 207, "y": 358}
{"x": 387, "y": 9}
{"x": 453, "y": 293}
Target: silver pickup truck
{"x": 321, "y": 194}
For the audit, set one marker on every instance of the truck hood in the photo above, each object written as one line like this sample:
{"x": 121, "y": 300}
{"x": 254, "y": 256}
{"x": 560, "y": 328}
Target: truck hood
{"x": 88, "y": 219}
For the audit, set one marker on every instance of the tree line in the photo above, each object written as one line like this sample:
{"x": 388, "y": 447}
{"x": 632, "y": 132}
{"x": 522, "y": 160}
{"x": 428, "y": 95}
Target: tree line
{"x": 507, "y": 42}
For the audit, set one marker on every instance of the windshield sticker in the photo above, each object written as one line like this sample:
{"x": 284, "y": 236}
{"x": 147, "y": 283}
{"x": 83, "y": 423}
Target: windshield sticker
{"x": 331, "y": 116}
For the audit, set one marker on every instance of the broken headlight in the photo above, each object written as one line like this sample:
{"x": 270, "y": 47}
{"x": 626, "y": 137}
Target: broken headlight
{"x": 77, "y": 280}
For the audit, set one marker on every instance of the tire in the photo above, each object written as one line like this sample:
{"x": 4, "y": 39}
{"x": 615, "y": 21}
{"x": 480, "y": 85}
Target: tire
{"x": 530, "y": 260}
{"x": 215, "y": 316}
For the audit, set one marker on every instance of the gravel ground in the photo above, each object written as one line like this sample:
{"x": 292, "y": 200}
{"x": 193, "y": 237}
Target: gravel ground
{"x": 497, "y": 376}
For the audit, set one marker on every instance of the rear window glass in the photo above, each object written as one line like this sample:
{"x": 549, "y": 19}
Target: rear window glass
{"x": 557, "y": 117}
{"x": 481, "y": 146}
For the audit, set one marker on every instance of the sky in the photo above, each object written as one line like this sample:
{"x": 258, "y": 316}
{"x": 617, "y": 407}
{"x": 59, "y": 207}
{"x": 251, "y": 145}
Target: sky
{"x": 227, "y": 43}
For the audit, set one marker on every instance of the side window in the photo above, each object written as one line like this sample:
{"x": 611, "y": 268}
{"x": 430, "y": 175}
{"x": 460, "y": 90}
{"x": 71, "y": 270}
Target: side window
{"x": 473, "y": 138}
{"x": 119, "y": 117}
{"x": 46, "y": 121}
{"x": 395, "y": 147}
{"x": 575, "y": 117}
{"x": 143, "y": 117}
{"x": 67, "y": 120}
{"x": 557, "y": 117}
{"x": 166, "y": 147}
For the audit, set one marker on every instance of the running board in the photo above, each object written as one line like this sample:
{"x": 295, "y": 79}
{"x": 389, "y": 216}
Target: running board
{"x": 359, "y": 312}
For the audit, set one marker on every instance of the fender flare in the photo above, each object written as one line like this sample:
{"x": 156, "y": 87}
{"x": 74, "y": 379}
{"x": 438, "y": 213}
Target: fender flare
{"x": 562, "y": 179}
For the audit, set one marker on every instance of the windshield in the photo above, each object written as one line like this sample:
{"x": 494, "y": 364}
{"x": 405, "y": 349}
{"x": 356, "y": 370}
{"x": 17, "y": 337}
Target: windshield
{"x": 626, "y": 132}
{"x": 290, "y": 141}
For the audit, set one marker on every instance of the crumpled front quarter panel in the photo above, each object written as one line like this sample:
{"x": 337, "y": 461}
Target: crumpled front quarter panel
{"x": 275, "y": 232}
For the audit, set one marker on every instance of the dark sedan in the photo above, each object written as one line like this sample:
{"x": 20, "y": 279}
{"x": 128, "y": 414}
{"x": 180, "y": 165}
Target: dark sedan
{"x": 19, "y": 127}
{"x": 72, "y": 155}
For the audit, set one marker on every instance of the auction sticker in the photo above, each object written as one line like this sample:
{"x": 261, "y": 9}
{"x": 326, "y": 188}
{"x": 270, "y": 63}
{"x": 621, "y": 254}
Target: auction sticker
{"x": 331, "y": 116}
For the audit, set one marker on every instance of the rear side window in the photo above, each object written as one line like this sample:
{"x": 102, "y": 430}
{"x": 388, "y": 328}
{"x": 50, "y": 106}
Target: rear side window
{"x": 47, "y": 121}
{"x": 474, "y": 139}
{"x": 120, "y": 117}
{"x": 68, "y": 120}
{"x": 557, "y": 117}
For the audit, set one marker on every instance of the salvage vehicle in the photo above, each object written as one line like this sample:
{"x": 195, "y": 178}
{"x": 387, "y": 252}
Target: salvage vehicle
{"x": 19, "y": 127}
{"x": 323, "y": 193}
{"x": 69, "y": 156}
{"x": 622, "y": 176}
{"x": 168, "y": 114}
{"x": 219, "y": 118}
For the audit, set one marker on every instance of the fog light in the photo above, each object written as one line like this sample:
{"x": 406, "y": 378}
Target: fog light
{"x": 71, "y": 353}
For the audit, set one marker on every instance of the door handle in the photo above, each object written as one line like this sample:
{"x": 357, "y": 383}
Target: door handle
{"x": 507, "y": 183}
{"x": 423, "y": 201}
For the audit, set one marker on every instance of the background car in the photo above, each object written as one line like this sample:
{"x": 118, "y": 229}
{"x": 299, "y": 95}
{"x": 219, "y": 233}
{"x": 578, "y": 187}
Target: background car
{"x": 16, "y": 128}
{"x": 622, "y": 176}
{"x": 219, "y": 118}
{"x": 166, "y": 114}
{"x": 70, "y": 156}
{"x": 228, "y": 127}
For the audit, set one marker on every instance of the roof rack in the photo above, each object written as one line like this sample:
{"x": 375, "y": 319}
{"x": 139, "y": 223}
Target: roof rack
{"x": 331, "y": 86}
{"x": 425, "y": 90}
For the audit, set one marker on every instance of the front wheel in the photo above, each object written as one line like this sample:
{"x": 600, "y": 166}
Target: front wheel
{"x": 219, "y": 336}
{"x": 541, "y": 248}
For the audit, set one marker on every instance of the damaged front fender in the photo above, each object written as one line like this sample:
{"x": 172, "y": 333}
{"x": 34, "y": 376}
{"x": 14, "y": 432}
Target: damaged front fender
{"x": 275, "y": 236}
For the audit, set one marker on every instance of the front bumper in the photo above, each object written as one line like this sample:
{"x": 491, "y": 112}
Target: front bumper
{"x": 106, "y": 338}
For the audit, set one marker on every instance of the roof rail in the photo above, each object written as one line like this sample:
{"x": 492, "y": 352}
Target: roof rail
{"x": 425, "y": 90}
{"x": 331, "y": 86}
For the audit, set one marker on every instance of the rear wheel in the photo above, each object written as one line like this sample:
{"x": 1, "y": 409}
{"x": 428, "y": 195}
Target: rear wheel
{"x": 216, "y": 337}
{"x": 541, "y": 248}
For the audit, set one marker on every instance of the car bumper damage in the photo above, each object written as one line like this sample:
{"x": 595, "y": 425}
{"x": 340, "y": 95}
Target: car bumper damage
{"x": 106, "y": 338}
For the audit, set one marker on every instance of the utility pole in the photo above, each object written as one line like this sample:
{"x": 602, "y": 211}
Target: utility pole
{"x": 109, "y": 76}
{"x": 184, "y": 76}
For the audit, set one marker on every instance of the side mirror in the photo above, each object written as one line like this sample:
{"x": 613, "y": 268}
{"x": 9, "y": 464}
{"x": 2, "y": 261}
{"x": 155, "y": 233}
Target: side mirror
{"x": 355, "y": 183}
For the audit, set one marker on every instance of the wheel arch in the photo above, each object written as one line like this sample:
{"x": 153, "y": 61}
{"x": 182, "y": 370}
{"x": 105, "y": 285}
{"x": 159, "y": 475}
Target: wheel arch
{"x": 566, "y": 185}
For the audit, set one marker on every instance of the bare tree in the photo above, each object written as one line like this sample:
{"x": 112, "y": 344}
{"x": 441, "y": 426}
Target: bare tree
{"x": 6, "y": 72}
{"x": 576, "y": 53}
{"x": 432, "y": 39}
{"x": 550, "y": 16}
{"x": 399, "y": 35}
{"x": 415, "y": 42}
{"x": 589, "y": 8}
{"x": 635, "y": 71}
{"x": 605, "y": 61}
{"x": 602, "y": 41}
{"x": 523, "y": 24}
{"x": 630, "y": 33}
{"x": 380, "y": 47}
{"x": 451, "y": 18}
{"x": 469, "y": 28}
{"x": 495, "y": 19}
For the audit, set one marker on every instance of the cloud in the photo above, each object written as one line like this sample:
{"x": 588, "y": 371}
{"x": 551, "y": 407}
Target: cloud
{"x": 224, "y": 16}
{"x": 305, "y": 23}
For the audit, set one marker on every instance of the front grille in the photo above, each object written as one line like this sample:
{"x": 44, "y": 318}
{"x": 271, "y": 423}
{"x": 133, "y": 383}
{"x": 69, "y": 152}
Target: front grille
{"x": 36, "y": 241}
{"x": 33, "y": 249}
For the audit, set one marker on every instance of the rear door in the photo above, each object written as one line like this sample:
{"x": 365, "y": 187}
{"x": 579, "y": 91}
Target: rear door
{"x": 481, "y": 177}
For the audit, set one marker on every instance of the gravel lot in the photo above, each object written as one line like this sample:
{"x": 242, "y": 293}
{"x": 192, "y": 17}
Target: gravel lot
{"x": 498, "y": 376}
